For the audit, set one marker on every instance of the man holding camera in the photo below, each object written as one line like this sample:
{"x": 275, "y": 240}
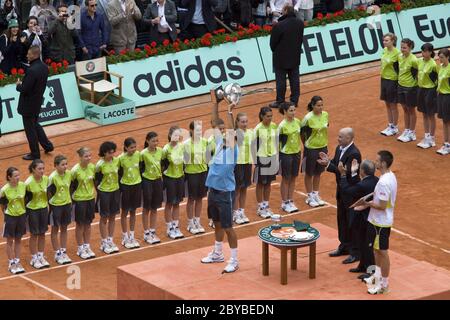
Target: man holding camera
{"x": 62, "y": 39}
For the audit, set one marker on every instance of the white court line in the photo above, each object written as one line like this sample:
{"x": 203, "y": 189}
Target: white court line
{"x": 56, "y": 293}
{"x": 137, "y": 214}
{"x": 394, "y": 230}
{"x": 155, "y": 245}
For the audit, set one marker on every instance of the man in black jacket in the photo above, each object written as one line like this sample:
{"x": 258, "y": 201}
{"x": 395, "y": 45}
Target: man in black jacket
{"x": 31, "y": 90}
{"x": 286, "y": 42}
{"x": 340, "y": 165}
{"x": 199, "y": 18}
{"x": 359, "y": 217}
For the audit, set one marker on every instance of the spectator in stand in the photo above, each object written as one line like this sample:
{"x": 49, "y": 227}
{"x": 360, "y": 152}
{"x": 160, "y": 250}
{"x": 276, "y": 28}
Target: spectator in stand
{"x": 333, "y": 6}
{"x": 33, "y": 37}
{"x": 11, "y": 47}
{"x": 8, "y": 12}
{"x": 62, "y": 39}
{"x": 161, "y": 15}
{"x": 241, "y": 12}
{"x": 93, "y": 36}
{"x": 260, "y": 8}
{"x": 141, "y": 26}
{"x": 223, "y": 11}
{"x": 304, "y": 9}
{"x": 276, "y": 8}
{"x": 199, "y": 19}
{"x": 122, "y": 15}
{"x": 45, "y": 13}
{"x": 101, "y": 9}
{"x": 354, "y": 4}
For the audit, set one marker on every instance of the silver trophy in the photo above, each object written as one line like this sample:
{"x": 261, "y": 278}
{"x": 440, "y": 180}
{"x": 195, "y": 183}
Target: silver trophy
{"x": 233, "y": 92}
{"x": 277, "y": 219}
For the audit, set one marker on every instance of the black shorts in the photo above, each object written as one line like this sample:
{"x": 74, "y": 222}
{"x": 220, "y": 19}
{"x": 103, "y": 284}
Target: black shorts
{"x": 84, "y": 211}
{"x": 310, "y": 166}
{"x": 289, "y": 164}
{"x": 152, "y": 193}
{"x": 38, "y": 221}
{"x": 174, "y": 189}
{"x": 426, "y": 101}
{"x": 443, "y": 106}
{"x": 220, "y": 207}
{"x": 266, "y": 170}
{"x": 389, "y": 90}
{"x": 14, "y": 227}
{"x": 407, "y": 96}
{"x": 131, "y": 197}
{"x": 108, "y": 203}
{"x": 60, "y": 215}
{"x": 243, "y": 175}
{"x": 383, "y": 234}
{"x": 195, "y": 183}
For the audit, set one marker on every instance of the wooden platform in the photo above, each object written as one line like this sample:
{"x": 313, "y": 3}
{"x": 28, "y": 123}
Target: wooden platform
{"x": 182, "y": 276}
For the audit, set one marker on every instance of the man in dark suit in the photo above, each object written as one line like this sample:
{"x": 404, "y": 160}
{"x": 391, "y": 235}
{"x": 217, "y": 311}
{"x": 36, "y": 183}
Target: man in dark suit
{"x": 359, "y": 217}
{"x": 286, "y": 42}
{"x": 161, "y": 15}
{"x": 340, "y": 165}
{"x": 199, "y": 18}
{"x": 32, "y": 89}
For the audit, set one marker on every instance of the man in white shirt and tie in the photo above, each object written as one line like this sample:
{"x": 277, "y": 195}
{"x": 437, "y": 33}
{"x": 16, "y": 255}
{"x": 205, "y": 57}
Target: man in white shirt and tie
{"x": 161, "y": 15}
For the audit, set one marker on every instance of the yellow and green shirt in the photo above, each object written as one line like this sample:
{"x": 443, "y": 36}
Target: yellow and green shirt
{"x": 152, "y": 163}
{"x": 444, "y": 79}
{"x": 195, "y": 156}
{"x": 388, "y": 59}
{"x": 84, "y": 178}
{"x": 108, "y": 172}
{"x": 266, "y": 139}
{"x": 427, "y": 73}
{"x": 316, "y": 128}
{"x": 289, "y": 135}
{"x": 245, "y": 147}
{"x": 406, "y": 72}
{"x": 175, "y": 158}
{"x": 131, "y": 174}
{"x": 13, "y": 198}
{"x": 38, "y": 193}
{"x": 61, "y": 186}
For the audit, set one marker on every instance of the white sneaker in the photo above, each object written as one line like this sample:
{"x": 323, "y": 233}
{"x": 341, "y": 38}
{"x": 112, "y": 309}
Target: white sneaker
{"x": 378, "y": 290}
{"x": 44, "y": 262}
{"x": 36, "y": 263}
{"x": 432, "y": 141}
{"x": 286, "y": 207}
{"x": 232, "y": 266}
{"x": 90, "y": 252}
{"x": 135, "y": 243}
{"x": 199, "y": 227}
{"x": 59, "y": 258}
{"x": 192, "y": 228}
{"x": 244, "y": 217}
{"x": 319, "y": 200}
{"x": 403, "y": 136}
{"x": 178, "y": 233}
{"x": 425, "y": 143}
{"x": 412, "y": 136}
{"x": 83, "y": 253}
{"x": 237, "y": 217}
{"x": 171, "y": 233}
{"x": 19, "y": 268}
{"x": 66, "y": 259}
{"x": 106, "y": 247}
{"x": 127, "y": 243}
{"x": 113, "y": 246}
{"x": 371, "y": 280}
{"x": 293, "y": 207}
{"x": 311, "y": 201}
{"x": 386, "y": 131}
{"x": 444, "y": 150}
{"x": 151, "y": 238}
{"x": 12, "y": 268}
{"x": 269, "y": 212}
{"x": 211, "y": 223}
{"x": 213, "y": 257}
{"x": 262, "y": 212}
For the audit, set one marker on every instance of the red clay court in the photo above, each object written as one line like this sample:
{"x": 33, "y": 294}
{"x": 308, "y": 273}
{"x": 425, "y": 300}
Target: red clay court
{"x": 420, "y": 238}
